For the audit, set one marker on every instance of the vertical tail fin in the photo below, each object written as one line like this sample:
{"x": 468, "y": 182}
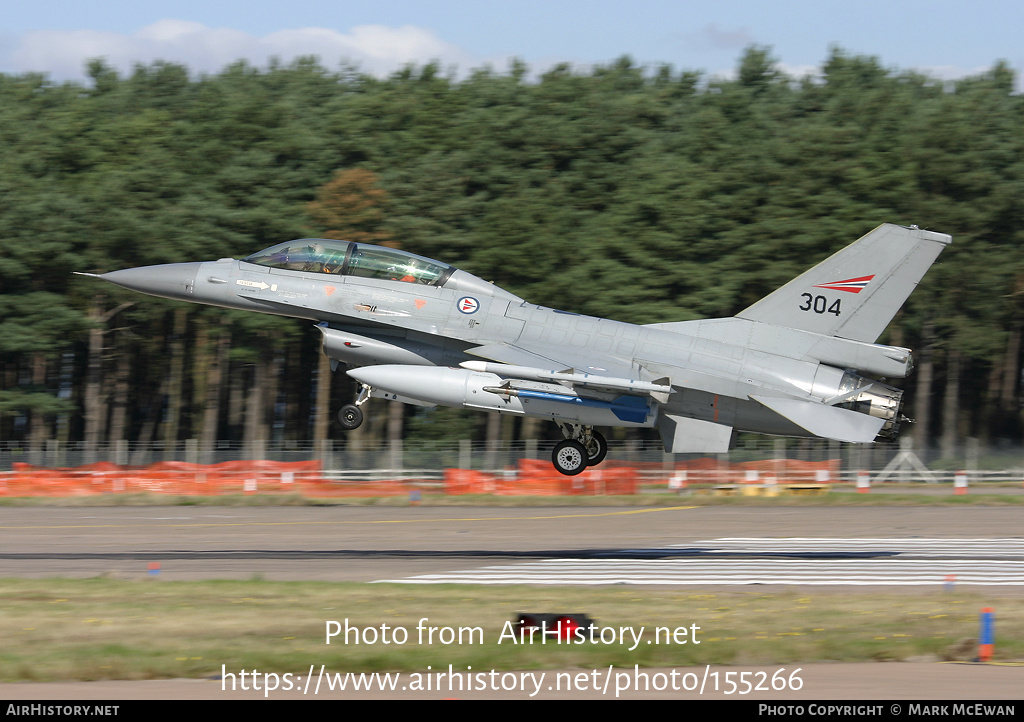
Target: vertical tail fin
{"x": 854, "y": 293}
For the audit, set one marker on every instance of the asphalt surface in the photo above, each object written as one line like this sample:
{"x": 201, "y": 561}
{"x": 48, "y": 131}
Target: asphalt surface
{"x": 341, "y": 543}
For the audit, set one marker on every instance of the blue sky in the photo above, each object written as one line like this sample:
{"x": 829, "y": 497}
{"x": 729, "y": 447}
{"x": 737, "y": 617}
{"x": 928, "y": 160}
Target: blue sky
{"x": 944, "y": 38}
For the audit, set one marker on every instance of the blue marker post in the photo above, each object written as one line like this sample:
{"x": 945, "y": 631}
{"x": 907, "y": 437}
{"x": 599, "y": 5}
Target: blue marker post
{"x": 987, "y": 635}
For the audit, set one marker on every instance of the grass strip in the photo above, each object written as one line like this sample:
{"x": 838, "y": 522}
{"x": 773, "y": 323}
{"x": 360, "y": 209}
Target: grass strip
{"x": 89, "y": 629}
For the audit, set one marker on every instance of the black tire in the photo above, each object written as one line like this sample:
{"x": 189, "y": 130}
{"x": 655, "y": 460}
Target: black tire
{"x": 350, "y": 417}
{"x": 570, "y": 457}
{"x": 597, "y": 449}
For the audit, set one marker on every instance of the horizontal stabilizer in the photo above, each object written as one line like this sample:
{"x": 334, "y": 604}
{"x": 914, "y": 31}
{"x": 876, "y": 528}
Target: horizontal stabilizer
{"x": 827, "y": 422}
{"x": 683, "y": 435}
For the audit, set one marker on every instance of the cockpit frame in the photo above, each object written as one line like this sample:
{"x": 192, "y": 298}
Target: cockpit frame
{"x": 347, "y": 258}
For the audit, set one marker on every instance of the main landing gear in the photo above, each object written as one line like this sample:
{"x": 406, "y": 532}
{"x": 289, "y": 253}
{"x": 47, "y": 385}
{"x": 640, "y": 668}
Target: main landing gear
{"x": 582, "y": 447}
{"x": 351, "y": 416}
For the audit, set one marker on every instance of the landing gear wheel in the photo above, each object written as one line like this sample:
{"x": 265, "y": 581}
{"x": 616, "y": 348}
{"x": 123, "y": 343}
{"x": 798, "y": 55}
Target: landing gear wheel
{"x": 350, "y": 417}
{"x": 570, "y": 457}
{"x": 597, "y": 449}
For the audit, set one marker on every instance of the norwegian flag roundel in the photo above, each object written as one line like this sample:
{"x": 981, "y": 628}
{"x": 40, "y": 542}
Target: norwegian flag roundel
{"x": 467, "y": 305}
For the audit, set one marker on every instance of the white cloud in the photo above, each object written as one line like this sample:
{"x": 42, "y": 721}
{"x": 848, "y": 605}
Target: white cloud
{"x": 951, "y": 72}
{"x": 376, "y": 49}
{"x": 725, "y": 39}
{"x": 711, "y": 38}
{"x": 797, "y": 72}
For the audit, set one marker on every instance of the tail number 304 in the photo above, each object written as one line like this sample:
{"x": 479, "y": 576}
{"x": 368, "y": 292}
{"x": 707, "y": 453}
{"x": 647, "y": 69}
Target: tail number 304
{"x": 819, "y": 304}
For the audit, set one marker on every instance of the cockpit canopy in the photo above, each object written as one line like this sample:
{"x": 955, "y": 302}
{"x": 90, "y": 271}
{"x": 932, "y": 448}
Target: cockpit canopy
{"x": 322, "y": 255}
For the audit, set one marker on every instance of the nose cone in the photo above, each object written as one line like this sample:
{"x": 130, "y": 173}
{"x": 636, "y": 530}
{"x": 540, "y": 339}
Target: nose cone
{"x": 171, "y": 280}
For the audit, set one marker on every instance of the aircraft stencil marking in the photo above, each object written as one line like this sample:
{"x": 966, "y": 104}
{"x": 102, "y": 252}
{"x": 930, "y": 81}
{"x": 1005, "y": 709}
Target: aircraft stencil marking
{"x": 253, "y": 284}
{"x": 850, "y": 285}
{"x": 765, "y": 370}
{"x": 819, "y": 304}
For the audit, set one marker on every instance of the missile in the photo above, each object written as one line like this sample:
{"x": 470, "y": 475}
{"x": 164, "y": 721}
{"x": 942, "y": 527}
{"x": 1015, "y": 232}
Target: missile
{"x": 466, "y": 388}
{"x": 603, "y": 382}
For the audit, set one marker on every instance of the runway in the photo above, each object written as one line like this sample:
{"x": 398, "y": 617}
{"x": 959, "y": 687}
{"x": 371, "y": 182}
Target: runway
{"x": 716, "y": 562}
{"x": 908, "y": 549}
{"x": 688, "y": 544}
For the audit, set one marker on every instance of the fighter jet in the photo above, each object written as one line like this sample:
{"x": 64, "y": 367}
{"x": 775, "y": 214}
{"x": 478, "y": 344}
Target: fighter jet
{"x": 423, "y": 332}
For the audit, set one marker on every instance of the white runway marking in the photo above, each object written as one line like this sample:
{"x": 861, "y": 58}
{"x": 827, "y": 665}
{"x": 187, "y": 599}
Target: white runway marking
{"x": 742, "y": 561}
{"x": 916, "y": 546}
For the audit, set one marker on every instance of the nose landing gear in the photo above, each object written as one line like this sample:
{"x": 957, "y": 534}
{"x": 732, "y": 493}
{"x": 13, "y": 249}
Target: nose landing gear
{"x": 351, "y": 416}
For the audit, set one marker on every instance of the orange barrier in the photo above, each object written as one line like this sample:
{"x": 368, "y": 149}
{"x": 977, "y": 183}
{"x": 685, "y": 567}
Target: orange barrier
{"x": 165, "y": 477}
{"x": 781, "y": 471}
{"x": 538, "y": 478}
{"x": 529, "y": 477}
{"x": 183, "y": 479}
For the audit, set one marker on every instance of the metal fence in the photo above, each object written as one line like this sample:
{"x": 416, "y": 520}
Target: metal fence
{"x": 343, "y": 459}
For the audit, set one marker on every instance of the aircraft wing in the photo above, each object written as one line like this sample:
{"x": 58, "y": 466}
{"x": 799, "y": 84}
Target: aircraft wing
{"x": 680, "y": 434}
{"x": 589, "y": 370}
{"x": 550, "y": 356}
{"x": 624, "y": 376}
{"x": 509, "y": 354}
